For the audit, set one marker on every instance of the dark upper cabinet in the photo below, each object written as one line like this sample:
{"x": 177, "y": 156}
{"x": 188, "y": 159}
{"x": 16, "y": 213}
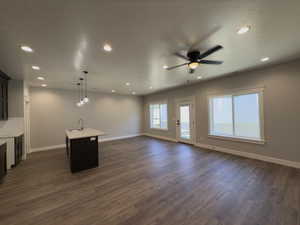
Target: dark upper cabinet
{"x": 3, "y": 96}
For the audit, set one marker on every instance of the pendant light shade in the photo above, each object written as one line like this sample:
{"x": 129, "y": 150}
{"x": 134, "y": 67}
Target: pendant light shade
{"x": 85, "y": 99}
{"x": 82, "y": 90}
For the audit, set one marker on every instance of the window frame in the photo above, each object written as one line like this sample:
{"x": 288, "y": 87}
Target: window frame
{"x": 150, "y": 119}
{"x": 233, "y": 93}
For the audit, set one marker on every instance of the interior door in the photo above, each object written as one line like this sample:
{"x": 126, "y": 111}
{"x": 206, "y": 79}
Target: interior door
{"x": 185, "y": 122}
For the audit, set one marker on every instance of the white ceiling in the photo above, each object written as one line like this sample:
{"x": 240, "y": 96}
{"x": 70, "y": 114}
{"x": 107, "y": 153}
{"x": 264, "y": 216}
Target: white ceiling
{"x": 69, "y": 35}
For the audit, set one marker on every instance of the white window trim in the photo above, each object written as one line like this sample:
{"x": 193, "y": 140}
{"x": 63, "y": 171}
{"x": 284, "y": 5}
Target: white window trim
{"x": 158, "y": 102}
{"x": 238, "y": 139}
{"x": 155, "y": 128}
{"x": 236, "y": 92}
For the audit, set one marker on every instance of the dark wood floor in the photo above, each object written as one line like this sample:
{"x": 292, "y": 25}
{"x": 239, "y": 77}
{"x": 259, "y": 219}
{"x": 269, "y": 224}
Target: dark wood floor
{"x": 146, "y": 181}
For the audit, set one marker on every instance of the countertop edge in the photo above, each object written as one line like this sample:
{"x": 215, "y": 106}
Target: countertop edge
{"x": 89, "y": 132}
{"x": 12, "y": 135}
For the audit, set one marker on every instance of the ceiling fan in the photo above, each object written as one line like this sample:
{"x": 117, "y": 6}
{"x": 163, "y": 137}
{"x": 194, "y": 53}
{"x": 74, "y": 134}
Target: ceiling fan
{"x": 195, "y": 58}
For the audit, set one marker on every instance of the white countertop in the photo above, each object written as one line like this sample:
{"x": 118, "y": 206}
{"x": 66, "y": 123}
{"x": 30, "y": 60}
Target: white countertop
{"x": 86, "y": 132}
{"x": 2, "y": 142}
{"x": 11, "y": 134}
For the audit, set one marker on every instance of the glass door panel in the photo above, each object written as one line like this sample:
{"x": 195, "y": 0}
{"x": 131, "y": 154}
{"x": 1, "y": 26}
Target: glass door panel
{"x": 185, "y": 124}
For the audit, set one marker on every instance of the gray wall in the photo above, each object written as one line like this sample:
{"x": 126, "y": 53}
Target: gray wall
{"x": 281, "y": 109}
{"x": 53, "y": 110}
{"x": 15, "y": 98}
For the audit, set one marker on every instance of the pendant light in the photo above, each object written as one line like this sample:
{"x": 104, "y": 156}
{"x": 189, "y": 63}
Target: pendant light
{"x": 82, "y": 90}
{"x": 85, "y": 99}
{"x": 79, "y": 104}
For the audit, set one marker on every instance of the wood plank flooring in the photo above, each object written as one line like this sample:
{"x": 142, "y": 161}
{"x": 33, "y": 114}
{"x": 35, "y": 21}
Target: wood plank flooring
{"x": 145, "y": 181}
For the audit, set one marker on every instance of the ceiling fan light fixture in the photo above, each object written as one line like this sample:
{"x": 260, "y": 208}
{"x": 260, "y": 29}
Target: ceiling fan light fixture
{"x": 193, "y": 65}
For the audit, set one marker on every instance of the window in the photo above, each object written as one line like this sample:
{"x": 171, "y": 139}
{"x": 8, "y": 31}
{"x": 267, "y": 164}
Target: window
{"x": 159, "y": 116}
{"x": 237, "y": 115}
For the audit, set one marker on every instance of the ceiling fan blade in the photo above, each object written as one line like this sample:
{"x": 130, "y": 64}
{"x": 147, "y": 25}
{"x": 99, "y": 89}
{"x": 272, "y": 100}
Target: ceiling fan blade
{"x": 173, "y": 67}
{"x": 210, "y": 51}
{"x": 212, "y": 62}
{"x": 181, "y": 56}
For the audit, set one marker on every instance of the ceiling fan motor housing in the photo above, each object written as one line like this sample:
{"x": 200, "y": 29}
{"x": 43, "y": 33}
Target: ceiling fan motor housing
{"x": 193, "y": 56}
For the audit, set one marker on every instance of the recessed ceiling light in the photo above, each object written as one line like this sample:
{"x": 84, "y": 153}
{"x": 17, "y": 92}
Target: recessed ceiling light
{"x": 165, "y": 67}
{"x": 199, "y": 77}
{"x": 133, "y": 92}
{"x": 40, "y": 78}
{"x": 107, "y": 48}
{"x": 26, "y": 48}
{"x": 265, "y": 59}
{"x": 35, "y": 67}
{"x": 243, "y": 29}
{"x": 113, "y": 91}
{"x": 150, "y": 87}
{"x": 44, "y": 85}
{"x": 127, "y": 84}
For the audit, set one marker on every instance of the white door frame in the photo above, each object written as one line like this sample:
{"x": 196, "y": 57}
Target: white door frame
{"x": 27, "y": 143}
{"x": 192, "y": 102}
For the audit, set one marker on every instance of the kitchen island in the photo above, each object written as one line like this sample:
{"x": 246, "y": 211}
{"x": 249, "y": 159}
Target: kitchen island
{"x": 82, "y": 148}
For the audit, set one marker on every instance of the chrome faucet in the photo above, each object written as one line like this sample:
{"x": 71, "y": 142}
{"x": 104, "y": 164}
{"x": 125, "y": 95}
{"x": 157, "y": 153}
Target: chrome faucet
{"x": 80, "y": 124}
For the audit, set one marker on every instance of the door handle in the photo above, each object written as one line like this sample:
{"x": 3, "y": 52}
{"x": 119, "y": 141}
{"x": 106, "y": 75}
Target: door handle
{"x": 177, "y": 123}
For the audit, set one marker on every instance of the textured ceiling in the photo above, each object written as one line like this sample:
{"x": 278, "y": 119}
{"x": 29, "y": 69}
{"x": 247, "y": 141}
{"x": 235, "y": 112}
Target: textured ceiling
{"x": 68, "y": 36}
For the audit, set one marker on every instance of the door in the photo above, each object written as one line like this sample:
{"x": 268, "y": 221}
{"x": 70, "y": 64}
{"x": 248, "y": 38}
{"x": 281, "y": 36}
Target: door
{"x": 185, "y": 121}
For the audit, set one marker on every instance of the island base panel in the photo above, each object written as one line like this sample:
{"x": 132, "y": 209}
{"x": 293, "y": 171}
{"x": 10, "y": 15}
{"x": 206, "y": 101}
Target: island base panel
{"x": 83, "y": 154}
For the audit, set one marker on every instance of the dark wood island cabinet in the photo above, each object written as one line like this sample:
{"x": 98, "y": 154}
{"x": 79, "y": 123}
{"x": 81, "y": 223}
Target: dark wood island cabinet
{"x": 82, "y": 149}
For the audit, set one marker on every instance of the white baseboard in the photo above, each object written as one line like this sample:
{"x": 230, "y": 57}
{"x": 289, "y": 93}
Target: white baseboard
{"x": 160, "y": 137}
{"x": 47, "y": 148}
{"x": 103, "y": 139}
{"x": 100, "y": 140}
{"x": 250, "y": 155}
